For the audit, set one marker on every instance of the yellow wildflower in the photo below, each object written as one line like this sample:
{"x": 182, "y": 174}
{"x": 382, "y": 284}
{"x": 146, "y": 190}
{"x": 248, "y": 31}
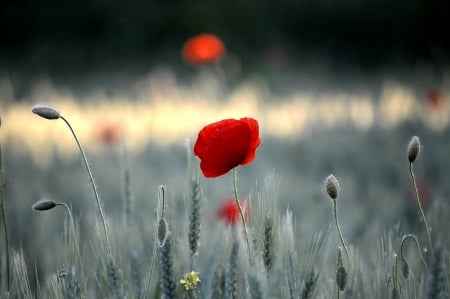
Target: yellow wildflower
{"x": 190, "y": 280}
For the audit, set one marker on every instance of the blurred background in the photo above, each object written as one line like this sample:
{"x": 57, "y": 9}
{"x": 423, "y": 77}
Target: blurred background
{"x": 85, "y": 45}
{"x": 337, "y": 87}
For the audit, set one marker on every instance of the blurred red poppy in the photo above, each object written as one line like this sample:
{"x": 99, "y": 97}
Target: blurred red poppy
{"x": 229, "y": 211}
{"x": 110, "y": 133}
{"x": 204, "y": 48}
{"x": 435, "y": 99}
{"x": 225, "y": 144}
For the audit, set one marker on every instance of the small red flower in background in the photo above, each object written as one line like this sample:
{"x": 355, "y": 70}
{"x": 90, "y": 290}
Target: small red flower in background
{"x": 110, "y": 133}
{"x": 204, "y": 48}
{"x": 225, "y": 144}
{"x": 435, "y": 99}
{"x": 229, "y": 211}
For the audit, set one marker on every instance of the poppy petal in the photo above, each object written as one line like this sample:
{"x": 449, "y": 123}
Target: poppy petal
{"x": 229, "y": 211}
{"x": 255, "y": 141}
{"x": 225, "y": 144}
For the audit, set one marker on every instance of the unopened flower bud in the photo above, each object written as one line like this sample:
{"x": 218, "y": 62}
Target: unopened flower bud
{"x": 413, "y": 149}
{"x": 404, "y": 267}
{"x": 45, "y": 112}
{"x": 44, "y": 205}
{"x": 332, "y": 186}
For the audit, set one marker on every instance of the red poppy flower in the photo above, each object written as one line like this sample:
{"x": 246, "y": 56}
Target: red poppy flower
{"x": 435, "y": 99}
{"x": 229, "y": 211}
{"x": 225, "y": 144}
{"x": 110, "y": 133}
{"x": 203, "y": 49}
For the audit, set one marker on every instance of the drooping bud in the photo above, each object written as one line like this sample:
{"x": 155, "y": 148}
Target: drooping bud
{"x": 332, "y": 186}
{"x": 44, "y": 205}
{"x": 404, "y": 267}
{"x": 413, "y": 149}
{"x": 45, "y": 111}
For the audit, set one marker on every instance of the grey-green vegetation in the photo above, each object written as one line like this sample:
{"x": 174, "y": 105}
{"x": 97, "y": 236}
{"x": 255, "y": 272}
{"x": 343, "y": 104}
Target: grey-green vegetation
{"x": 291, "y": 226}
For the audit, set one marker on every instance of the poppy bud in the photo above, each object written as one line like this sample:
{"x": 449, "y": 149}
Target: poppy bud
{"x": 405, "y": 267}
{"x": 332, "y": 186}
{"x": 413, "y": 149}
{"x": 45, "y": 112}
{"x": 44, "y": 205}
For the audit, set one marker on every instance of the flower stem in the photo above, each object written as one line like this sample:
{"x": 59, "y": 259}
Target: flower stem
{"x": 339, "y": 229}
{"x": 74, "y": 235}
{"x": 419, "y": 205}
{"x": 94, "y": 187}
{"x": 5, "y": 224}
{"x": 244, "y": 225}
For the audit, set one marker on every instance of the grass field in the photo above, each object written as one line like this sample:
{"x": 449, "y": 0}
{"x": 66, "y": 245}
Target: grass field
{"x": 137, "y": 143}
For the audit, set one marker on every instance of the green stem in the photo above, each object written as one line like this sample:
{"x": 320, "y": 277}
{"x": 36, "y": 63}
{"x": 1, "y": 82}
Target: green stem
{"x": 395, "y": 273}
{"x": 97, "y": 198}
{"x": 339, "y": 230}
{"x": 419, "y": 205}
{"x": 152, "y": 266}
{"x": 74, "y": 235}
{"x": 5, "y": 225}
{"x": 244, "y": 225}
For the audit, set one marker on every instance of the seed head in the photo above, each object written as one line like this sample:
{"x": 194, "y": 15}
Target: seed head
{"x": 332, "y": 186}
{"x": 413, "y": 149}
{"x": 45, "y": 111}
{"x": 44, "y": 205}
{"x": 163, "y": 232}
{"x": 341, "y": 278}
{"x": 341, "y": 273}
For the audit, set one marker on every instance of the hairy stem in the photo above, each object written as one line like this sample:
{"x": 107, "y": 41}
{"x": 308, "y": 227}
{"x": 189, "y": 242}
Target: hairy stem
{"x": 419, "y": 205}
{"x": 94, "y": 187}
{"x": 74, "y": 235}
{"x": 244, "y": 225}
{"x": 339, "y": 230}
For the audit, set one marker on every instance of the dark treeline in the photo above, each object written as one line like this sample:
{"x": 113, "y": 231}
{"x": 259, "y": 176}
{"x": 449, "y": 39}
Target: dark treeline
{"x": 54, "y": 36}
